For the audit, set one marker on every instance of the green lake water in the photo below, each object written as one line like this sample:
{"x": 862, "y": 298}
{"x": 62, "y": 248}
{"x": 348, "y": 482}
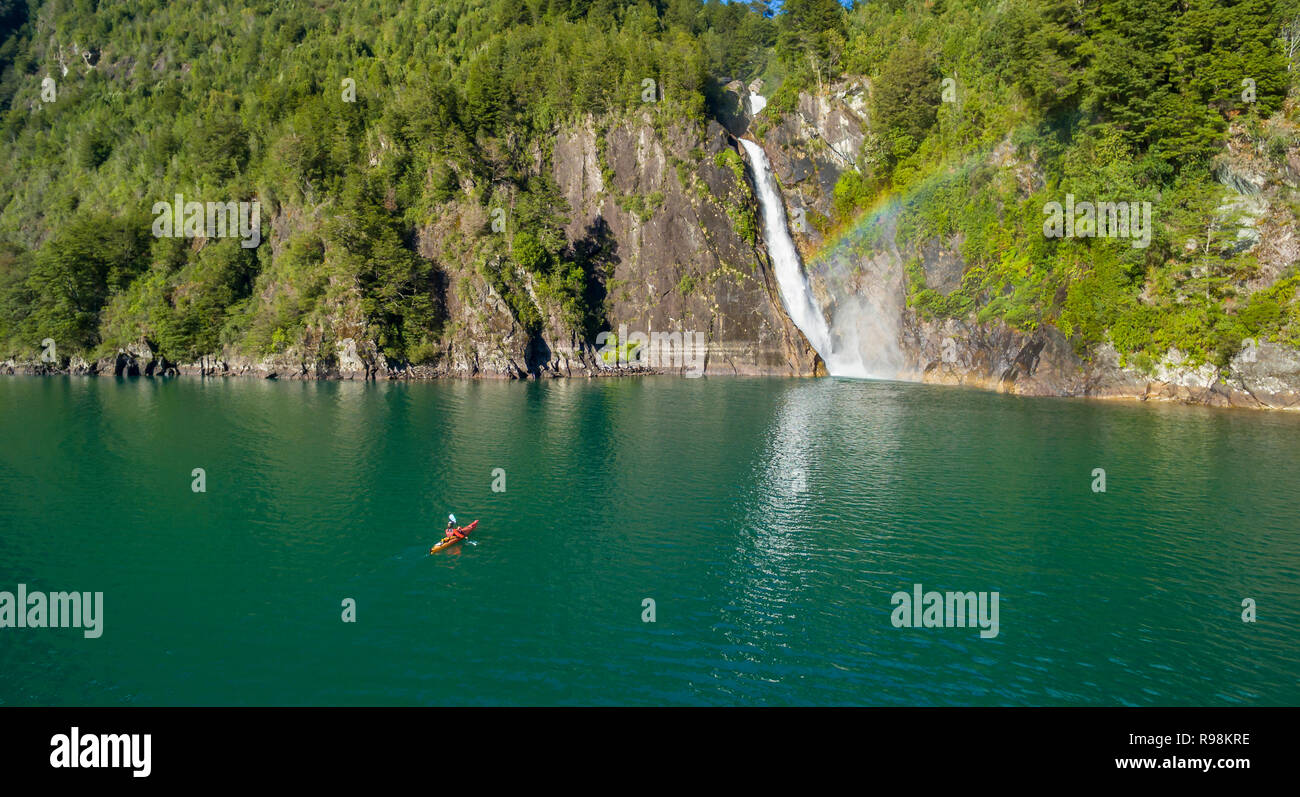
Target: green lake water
{"x": 769, "y": 520}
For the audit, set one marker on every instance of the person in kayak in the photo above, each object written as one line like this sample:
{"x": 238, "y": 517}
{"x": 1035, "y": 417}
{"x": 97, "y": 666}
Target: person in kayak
{"x": 452, "y": 533}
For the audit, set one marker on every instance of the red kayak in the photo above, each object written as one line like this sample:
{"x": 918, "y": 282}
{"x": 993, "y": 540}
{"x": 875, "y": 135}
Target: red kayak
{"x": 453, "y": 538}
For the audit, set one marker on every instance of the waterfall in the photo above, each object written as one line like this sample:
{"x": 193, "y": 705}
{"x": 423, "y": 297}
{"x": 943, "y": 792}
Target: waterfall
{"x": 796, "y": 294}
{"x": 862, "y": 338}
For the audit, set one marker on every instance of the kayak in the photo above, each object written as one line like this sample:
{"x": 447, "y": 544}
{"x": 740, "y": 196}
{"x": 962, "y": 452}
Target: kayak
{"x": 445, "y": 543}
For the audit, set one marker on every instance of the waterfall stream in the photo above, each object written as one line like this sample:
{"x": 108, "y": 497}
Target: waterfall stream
{"x": 796, "y": 294}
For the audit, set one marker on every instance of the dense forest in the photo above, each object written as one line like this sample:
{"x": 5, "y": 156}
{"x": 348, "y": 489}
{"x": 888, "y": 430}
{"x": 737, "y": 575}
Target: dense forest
{"x": 354, "y": 123}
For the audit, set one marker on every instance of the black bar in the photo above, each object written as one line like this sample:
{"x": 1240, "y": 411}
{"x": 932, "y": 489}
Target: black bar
{"x": 331, "y": 746}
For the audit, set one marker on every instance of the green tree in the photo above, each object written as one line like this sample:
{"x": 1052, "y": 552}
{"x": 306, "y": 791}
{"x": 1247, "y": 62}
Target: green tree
{"x": 906, "y": 98}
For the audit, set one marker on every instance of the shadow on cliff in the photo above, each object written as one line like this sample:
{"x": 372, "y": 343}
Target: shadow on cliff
{"x": 596, "y": 253}
{"x": 596, "y": 256}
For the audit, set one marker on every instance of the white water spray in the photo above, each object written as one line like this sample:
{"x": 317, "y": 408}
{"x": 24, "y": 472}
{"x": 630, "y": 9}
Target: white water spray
{"x": 862, "y": 340}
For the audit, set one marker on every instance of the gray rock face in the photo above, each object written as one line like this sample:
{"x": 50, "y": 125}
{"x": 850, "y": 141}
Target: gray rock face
{"x": 734, "y": 112}
{"x": 1044, "y": 364}
{"x": 943, "y": 264}
{"x": 811, "y": 147}
{"x": 679, "y": 261}
{"x": 1265, "y": 373}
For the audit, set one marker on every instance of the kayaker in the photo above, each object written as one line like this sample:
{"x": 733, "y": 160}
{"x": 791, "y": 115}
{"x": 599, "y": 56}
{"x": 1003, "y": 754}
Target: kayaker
{"x": 452, "y": 533}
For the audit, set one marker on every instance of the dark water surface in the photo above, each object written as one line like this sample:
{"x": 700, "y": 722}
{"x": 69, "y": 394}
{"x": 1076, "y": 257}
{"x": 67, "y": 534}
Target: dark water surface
{"x": 769, "y": 520}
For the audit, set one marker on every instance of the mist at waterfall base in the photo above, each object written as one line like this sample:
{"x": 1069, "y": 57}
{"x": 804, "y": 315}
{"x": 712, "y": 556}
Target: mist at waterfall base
{"x": 861, "y": 274}
{"x": 863, "y": 294}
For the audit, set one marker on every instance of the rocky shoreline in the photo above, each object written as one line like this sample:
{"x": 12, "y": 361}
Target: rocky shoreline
{"x": 141, "y": 361}
{"x": 1262, "y": 376}
{"x": 1042, "y": 364}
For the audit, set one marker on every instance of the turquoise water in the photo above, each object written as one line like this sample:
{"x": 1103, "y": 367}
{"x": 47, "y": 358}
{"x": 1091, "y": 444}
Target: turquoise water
{"x": 769, "y": 520}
